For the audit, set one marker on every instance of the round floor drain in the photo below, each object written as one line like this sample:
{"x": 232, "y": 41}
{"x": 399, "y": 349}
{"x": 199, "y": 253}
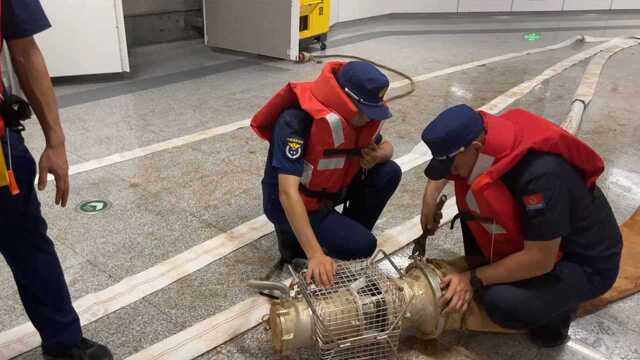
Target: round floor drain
{"x": 93, "y": 206}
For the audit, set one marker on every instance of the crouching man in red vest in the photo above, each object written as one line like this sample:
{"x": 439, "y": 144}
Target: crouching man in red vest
{"x": 531, "y": 213}
{"x": 326, "y": 149}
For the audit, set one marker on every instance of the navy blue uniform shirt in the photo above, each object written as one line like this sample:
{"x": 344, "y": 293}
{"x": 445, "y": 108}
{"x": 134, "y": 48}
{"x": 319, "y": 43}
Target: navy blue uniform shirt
{"x": 22, "y": 18}
{"x": 556, "y": 203}
{"x": 286, "y": 156}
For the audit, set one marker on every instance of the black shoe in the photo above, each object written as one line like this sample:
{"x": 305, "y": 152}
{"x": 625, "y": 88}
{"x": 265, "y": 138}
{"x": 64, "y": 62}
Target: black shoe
{"x": 556, "y": 332}
{"x": 86, "y": 350}
{"x": 548, "y": 337}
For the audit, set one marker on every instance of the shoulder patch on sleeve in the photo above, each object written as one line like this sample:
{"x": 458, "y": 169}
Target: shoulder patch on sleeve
{"x": 534, "y": 202}
{"x": 294, "y": 147}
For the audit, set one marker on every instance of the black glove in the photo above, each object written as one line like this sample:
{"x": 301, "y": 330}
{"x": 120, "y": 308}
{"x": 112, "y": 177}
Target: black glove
{"x": 15, "y": 110}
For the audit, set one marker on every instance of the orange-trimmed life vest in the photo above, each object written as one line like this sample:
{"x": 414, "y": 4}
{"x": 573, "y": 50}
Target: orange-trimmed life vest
{"x": 331, "y": 157}
{"x": 495, "y": 217}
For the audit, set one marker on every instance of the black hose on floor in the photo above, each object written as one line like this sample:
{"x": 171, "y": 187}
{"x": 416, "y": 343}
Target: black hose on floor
{"x": 306, "y": 57}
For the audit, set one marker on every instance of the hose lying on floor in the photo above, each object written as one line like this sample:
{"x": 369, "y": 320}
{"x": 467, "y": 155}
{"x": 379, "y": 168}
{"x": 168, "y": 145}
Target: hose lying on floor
{"x": 305, "y": 57}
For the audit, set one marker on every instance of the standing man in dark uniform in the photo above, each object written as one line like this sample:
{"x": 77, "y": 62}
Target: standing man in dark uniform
{"x": 23, "y": 231}
{"x": 326, "y": 149}
{"x": 542, "y": 233}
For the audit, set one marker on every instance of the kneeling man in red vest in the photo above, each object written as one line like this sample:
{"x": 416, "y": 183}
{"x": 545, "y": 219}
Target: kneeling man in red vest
{"x": 326, "y": 149}
{"x": 539, "y": 231}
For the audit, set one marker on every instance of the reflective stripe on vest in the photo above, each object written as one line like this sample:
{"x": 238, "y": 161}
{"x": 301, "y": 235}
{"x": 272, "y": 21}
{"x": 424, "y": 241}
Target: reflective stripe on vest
{"x": 483, "y": 163}
{"x": 331, "y": 164}
{"x": 471, "y": 202}
{"x": 493, "y": 228}
{"x": 306, "y": 174}
{"x": 335, "y": 122}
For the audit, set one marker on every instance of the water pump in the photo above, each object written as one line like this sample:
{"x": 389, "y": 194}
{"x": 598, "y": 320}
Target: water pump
{"x": 371, "y": 303}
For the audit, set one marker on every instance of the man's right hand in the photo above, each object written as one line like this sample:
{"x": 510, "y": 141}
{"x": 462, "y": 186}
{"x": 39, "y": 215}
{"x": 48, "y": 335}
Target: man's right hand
{"x": 431, "y": 217}
{"x": 54, "y": 161}
{"x": 322, "y": 270}
{"x": 431, "y": 213}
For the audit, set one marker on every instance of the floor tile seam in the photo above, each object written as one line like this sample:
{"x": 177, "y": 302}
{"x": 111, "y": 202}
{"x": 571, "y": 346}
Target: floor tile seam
{"x": 111, "y": 277}
{"x": 177, "y": 322}
{"x": 186, "y": 209}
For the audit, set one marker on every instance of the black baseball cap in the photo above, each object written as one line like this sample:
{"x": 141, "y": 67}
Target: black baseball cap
{"x": 447, "y": 136}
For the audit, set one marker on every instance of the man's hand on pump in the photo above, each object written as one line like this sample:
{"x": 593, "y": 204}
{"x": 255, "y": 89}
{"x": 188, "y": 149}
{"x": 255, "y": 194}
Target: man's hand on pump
{"x": 457, "y": 293}
{"x": 321, "y": 270}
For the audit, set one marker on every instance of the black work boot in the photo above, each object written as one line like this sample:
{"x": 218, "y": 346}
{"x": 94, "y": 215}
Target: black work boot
{"x": 555, "y": 333}
{"x": 85, "y": 350}
{"x": 549, "y": 337}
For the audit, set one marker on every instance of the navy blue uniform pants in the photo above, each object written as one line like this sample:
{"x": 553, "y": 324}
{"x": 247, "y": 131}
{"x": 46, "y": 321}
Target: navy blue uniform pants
{"x": 347, "y": 235}
{"x": 550, "y": 300}
{"x": 32, "y": 257}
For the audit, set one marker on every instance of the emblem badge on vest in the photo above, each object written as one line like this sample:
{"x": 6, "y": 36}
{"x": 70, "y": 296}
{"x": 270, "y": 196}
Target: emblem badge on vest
{"x": 534, "y": 203}
{"x": 294, "y": 148}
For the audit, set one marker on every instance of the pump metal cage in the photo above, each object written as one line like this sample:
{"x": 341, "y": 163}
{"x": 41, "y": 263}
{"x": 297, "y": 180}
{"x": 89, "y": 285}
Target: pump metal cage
{"x": 359, "y": 317}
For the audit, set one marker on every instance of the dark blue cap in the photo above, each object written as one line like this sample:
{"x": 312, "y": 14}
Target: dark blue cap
{"x": 447, "y": 135}
{"x": 366, "y": 85}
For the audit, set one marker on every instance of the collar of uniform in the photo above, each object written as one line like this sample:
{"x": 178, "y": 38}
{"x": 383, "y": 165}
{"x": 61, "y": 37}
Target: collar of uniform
{"x": 499, "y": 140}
{"x": 327, "y": 90}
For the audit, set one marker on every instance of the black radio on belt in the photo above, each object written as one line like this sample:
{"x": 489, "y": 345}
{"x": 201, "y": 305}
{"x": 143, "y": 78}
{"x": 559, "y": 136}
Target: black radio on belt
{"x": 15, "y": 110}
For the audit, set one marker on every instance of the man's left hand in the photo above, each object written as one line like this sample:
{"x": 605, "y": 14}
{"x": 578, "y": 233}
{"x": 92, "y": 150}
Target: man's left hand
{"x": 457, "y": 292}
{"x": 54, "y": 161}
{"x": 371, "y": 155}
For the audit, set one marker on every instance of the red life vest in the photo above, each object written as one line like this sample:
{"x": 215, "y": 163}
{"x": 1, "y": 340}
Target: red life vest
{"x": 331, "y": 156}
{"x": 497, "y": 225}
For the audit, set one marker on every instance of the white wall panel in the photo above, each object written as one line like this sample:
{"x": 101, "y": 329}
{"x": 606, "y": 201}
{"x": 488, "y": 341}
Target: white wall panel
{"x": 87, "y": 37}
{"x": 348, "y": 10}
{"x": 278, "y": 18}
{"x": 335, "y": 11}
{"x": 626, "y": 4}
{"x": 537, "y": 5}
{"x": 587, "y": 4}
{"x": 484, "y": 5}
{"x": 424, "y": 6}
